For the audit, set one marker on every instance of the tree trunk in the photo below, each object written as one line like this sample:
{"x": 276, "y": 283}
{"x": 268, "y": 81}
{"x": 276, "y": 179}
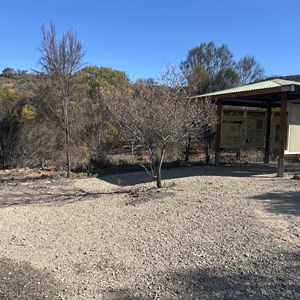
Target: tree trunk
{"x": 68, "y": 152}
{"x": 207, "y": 139}
{"x": 157, "y": 169}
{"x": 158, "y": 176}
{"x": 132, "y": 153}
{"x": 67, "y": 133}
{"x": 187, "y": 148}
{"x": 238, "y": 154}
{"x": 42, "y": 164}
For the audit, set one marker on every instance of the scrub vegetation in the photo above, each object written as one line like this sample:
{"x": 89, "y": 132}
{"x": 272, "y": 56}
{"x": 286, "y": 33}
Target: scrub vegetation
{"x": 80, "y": 117}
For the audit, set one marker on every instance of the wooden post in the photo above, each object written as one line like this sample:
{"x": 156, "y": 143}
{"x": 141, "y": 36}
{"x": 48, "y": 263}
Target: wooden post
{"x": 283, "y": 109}
{"x": 218, "y": 134}
{"x": 268, "y": 133}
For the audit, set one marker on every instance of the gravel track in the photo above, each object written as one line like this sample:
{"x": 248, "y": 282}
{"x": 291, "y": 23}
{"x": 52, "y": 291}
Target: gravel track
{"x": 210, "y": 233}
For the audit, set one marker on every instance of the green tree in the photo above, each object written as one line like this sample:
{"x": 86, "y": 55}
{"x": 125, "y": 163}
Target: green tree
{"x": 209, "y": 68}
{"x": 8, "y": 72}
{"x": 38, "y": 141}
{"x": 99, "y": 79}
{"x": 98, "y": 130}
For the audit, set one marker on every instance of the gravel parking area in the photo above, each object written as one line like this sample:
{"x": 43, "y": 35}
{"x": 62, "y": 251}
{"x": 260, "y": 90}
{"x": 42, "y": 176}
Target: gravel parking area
{"x": 211, "y": 233}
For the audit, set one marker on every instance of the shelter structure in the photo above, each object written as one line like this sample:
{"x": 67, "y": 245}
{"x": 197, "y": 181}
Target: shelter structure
{"x": 276, "y": 93}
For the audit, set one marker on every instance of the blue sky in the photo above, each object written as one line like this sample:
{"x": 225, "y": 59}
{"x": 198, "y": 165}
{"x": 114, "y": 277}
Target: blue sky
{"x": 141, "y": 36}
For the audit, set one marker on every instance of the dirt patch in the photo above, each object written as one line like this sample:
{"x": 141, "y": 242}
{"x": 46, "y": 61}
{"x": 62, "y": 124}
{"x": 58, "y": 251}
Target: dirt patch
{"x": 27, "y": 174}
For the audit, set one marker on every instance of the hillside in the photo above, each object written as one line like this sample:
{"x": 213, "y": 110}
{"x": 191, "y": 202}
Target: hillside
{"x": 20, "y": 83}
{"x": 24, "y": 82}
{"x": 287, "y": 77}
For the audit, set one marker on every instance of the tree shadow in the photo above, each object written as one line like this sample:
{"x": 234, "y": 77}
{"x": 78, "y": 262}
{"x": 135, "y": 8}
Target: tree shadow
{"x": 242, "y": 170}
{"x": 261, "y": 280}
{"x": 19, "y": 280}
{"x": 60, "y": 197}
{"x": 281, "y": 202}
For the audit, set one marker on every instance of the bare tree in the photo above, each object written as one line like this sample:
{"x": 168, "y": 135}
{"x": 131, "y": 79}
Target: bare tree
{"x": 59, "y": 60}
{"x": 249, "y": 69}
{"x": 159, "y": 116}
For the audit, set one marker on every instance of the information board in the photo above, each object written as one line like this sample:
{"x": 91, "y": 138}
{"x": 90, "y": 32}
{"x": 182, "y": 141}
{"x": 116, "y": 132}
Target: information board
{"x": 275, "y": 130}
{"x": 247, "y": 129}
{"x": 255, "y": 129}
{"x": 233, "y": 129}
{"x": 293, "y": 132}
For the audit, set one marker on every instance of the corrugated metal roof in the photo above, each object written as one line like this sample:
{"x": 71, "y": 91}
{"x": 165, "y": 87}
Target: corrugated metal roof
{"x": 269, "y": 84}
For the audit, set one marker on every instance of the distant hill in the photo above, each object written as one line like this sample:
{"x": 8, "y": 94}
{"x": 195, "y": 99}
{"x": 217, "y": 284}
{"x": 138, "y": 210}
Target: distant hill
{"x": 21, "y": 83}
{"x": 288, "y": 77}
{"x": 24, "y": 83}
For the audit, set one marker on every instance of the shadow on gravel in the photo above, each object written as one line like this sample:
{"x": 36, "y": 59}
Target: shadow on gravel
{"x": 258, "y": 282}
{"x": 58, "y": 198}
{"x": 19, "y": 281}
{"x": 281, "y": 203}
{"x": 245, "y": 170}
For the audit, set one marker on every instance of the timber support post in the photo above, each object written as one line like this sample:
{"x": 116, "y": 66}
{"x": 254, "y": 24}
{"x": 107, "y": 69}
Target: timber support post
{"x": 282, "y": 139}
{"x": 268, "y": 132}
{"x": 218, "y": 134}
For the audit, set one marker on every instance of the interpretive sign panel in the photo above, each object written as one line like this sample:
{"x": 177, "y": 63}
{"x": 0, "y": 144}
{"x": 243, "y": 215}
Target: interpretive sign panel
{"x": 247, "y": 129}
{"x": 275, "y": 131}
{"x": 293, "y": 132}
{"x": 255, "y": 129}
{"x": 233, "y": 127}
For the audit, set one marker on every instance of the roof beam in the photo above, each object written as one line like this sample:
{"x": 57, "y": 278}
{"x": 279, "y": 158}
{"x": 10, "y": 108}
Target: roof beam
{"x": 248, "y": 93}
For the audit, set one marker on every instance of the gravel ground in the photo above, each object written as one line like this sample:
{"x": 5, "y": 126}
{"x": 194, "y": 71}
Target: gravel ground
{"x": 210, "y": 233}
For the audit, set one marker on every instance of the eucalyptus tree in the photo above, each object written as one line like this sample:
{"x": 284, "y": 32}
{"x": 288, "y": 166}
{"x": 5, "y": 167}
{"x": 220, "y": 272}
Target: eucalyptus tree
{"x": 209, "y": 68}
{"x": 98, "y": 130}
